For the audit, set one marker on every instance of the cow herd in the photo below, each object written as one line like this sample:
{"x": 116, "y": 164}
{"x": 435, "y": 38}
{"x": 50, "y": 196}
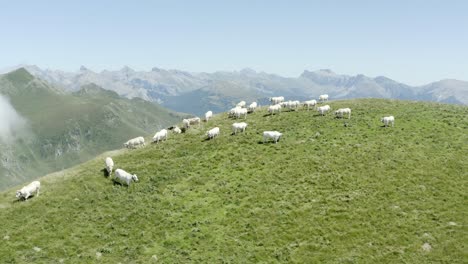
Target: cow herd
{"x": 240, "y": 111}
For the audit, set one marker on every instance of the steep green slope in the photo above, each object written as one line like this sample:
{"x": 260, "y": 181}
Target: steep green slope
{"x": 335, "y": 191}
{"x": 67, "y": 129}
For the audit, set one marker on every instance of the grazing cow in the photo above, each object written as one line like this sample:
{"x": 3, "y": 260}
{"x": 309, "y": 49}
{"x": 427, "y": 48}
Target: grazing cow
{"x": 387, "y": 120}
{"x": 276, "y": 100}
{"x": 239, "y": 126}
{"x": 310, "y": 103}
{"x": 275, "y": 135}
{"x": 186, "y": 123}
{"x": 233, "y": 111}
{"x": 241, "y": 104}
{"x": 293, "y": 104}
{"x": 191, "y": 121}
{"x": 212, "y": 133}
{"x": 274, "y": 108}
{"x": 135, "y": 142}
{"x": 323, "y": 97}
{"x": 177, "y": 130}
{"x": 323, "y": 109}
{"x": 160, "y": 135}
{"x": 109, "y": 165}
{"x": 125, "y": 177}
{"x": 240, "y": 112}
{"x": 140, "y": 141}
{"x": 252, "y": 107}
{"x": 342, "y": 111}
{"x": 28, "y": 190}
{"x": 208, "y": 115}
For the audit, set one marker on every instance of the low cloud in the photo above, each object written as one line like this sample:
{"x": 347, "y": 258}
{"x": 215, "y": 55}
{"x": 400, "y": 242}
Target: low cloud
{"x": 11, "y": 123}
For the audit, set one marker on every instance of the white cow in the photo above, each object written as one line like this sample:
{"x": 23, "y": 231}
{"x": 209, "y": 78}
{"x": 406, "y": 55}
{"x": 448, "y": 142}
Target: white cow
{"x": 177, "y": 130}
{"x": 208, "y": 115}
{"x": 125, "y": 177}
{"x": 274, "y": 108}
{"x": 129, "y": 143}
{"x": 135, "y": 142}
{"x": 233, "y": 111}
{"x": 240, "y": 112}
{"x": 310, "y": 103}
{"x": 29, "y": 190}
{"x": 323, "y": 97}
{"x": 293, "y": 104}
{"x": 241, "y": 104}
{"x": 239, "y": 126}
{"x": 160, "y": 135}
{"x": 342, "y": 111}
{"x": 323, "y": 109}
{"x": 212, "y": 133}
{"x": 275, "y": 135}
{"x": 191, "y": 121}
{"x": 186, "y": 123}
{"x": 276, "y": 100}
{"x": 252, "y": 107}
{"x": 109, "y": 165}
{"x": 387, "y": 120}
{"x": 141, "y": 141}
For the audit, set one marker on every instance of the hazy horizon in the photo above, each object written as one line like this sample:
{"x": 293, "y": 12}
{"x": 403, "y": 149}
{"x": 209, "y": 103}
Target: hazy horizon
{"x": 415, "y": 42}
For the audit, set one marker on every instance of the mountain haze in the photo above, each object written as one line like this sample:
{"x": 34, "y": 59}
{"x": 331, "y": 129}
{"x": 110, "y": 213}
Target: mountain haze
{"x": 184, "y": 91}
{"x": 62, "y": 128}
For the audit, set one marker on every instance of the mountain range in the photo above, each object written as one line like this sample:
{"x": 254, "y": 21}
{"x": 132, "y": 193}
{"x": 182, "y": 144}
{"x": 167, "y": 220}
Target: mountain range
{"x": 199, "y": 92}
{"x": 45, "y": 129}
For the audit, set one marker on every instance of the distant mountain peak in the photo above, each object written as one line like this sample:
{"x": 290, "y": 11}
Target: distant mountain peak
{"x": 326, "y": 71}
{"x": 248, "y": 71}
{"x": 127, "y": 69}
{"x": 83, "y": 69}
{"x": 20, "y": 75}
{"x": 319, "y": 73}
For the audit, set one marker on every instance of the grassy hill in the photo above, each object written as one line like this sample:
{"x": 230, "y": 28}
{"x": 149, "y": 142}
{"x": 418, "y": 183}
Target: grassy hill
{"x": 65, "y": 129}
{"x": 334, "y": 191}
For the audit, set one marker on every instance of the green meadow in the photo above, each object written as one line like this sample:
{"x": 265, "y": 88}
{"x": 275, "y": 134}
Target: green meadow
{"x": 330, "y": 191}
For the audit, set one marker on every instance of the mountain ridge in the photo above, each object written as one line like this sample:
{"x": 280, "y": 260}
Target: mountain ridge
{"x": 160, "y": 85}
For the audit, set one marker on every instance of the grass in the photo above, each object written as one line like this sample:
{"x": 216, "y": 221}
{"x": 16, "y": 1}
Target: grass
{"x": 326, "y": 192}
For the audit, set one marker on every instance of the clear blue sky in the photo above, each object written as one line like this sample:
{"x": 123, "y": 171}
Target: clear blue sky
{"x": 411, "y": 41}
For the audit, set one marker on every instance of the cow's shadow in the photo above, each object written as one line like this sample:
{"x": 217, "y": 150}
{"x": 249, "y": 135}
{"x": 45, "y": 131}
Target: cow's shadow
{"x": 115, "y": 182}
{"x": 22, "y": 200}
{"x": 105, "y": 173}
